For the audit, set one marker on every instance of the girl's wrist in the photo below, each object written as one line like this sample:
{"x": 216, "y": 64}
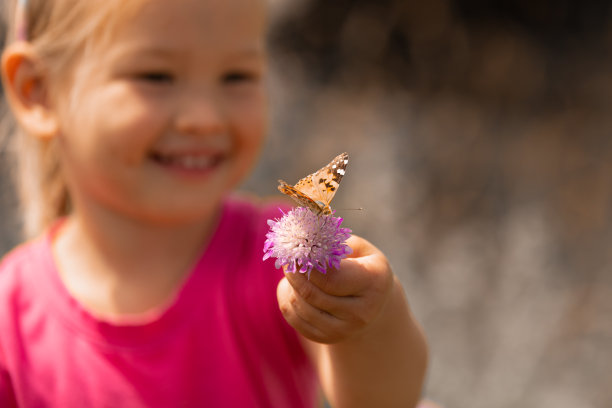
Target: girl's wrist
{"x": 393, "y": 316}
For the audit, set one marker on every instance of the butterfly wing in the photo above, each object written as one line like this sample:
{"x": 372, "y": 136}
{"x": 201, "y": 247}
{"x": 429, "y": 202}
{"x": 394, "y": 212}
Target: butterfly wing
{"x": 302, "y": 199}
{"x": 322, "y": 185}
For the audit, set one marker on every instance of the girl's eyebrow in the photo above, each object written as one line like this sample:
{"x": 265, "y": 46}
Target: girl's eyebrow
{"x": 147, "y": 50}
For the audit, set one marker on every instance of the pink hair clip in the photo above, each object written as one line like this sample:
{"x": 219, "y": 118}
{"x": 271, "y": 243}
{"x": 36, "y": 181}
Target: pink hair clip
{"x": 21, "y": 22}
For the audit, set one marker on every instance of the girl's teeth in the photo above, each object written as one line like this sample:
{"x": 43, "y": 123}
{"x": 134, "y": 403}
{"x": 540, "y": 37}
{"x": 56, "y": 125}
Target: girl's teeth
{"x": 195, "y": 162}
{"x": 189, "y": 162}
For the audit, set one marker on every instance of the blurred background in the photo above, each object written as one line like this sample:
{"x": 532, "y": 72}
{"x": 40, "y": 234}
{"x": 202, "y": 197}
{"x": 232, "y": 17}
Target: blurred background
{"x": 479, "y": 137}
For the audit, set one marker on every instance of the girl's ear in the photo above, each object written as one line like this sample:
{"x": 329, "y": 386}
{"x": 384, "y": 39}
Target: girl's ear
{"x": 26, "y": 87}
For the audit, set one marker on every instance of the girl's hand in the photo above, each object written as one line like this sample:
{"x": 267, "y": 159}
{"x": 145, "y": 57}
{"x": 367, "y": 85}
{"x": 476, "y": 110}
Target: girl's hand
{"x": 333, "y": 307}
{"x": 367, "y": 348}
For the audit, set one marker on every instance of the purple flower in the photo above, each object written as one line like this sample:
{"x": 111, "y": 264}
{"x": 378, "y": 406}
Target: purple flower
{"x": 302, "y": 241}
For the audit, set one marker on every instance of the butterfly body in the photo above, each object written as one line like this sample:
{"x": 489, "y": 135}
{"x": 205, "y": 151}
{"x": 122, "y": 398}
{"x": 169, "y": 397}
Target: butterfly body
{"x": 316, "y": 190}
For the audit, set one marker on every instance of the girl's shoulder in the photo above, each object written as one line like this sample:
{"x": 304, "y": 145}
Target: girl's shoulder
{"x": 245, "y": 210}
{"x": 241, "y": 231}
{"x": 17, "y": 264}
{"x": 238, "y": 243}
{"x": 23, "y": 283}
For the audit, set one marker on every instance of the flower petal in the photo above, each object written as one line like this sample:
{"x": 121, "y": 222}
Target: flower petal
{"x": 301, "y": 240}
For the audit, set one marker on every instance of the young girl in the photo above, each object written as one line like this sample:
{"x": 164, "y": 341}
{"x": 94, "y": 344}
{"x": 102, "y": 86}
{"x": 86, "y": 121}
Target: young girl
{"x": 145, "y": 286}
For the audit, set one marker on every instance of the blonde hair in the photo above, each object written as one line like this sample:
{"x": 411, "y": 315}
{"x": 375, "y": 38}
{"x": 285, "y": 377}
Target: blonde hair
{"x": 60, "y": 32}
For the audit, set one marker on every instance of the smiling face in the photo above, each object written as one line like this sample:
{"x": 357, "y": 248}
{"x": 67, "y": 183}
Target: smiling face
{"x": 166, "y": 116}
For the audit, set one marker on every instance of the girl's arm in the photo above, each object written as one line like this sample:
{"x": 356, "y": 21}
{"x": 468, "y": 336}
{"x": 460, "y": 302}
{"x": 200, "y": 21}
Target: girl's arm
{"x": 367, "y": 347}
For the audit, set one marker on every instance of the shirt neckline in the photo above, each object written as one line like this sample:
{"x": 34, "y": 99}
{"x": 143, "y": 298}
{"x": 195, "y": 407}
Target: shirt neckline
{"x": 156, "y": 328}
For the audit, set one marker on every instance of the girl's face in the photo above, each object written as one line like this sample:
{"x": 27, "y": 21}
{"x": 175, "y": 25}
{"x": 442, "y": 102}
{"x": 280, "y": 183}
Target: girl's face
{"x": 167, "y": 114}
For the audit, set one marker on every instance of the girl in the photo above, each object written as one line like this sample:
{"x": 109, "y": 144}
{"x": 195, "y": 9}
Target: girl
{"x": 145, "y": 285}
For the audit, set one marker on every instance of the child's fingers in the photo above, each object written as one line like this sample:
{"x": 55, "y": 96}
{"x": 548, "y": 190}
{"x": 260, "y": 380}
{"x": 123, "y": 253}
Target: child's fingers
{"x": 312, "y": 294}
{"x": 351, "y": 279}
{"x": 313, "y": 323}
{"x": 356, "y": 311}
{"x": 361, "y": 247}
{"x": 364, "y": 270}
{"x": 356, "y": 276}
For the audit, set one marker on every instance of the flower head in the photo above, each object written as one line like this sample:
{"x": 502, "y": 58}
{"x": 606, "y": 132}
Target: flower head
{"x": 302, "y": 241}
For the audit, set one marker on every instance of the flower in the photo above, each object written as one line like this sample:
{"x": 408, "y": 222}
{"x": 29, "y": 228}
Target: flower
{"x": 302, "y": 241}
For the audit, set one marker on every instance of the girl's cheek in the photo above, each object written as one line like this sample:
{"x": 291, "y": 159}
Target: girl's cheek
{"x": 256, "y": 116}
{"x": 134, "y": 126}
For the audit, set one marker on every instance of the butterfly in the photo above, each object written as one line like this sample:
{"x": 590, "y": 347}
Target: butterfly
{"x": 316, "y": 190}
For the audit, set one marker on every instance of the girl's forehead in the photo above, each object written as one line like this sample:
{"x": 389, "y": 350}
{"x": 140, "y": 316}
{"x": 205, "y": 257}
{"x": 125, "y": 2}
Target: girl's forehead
{"x": 204, "y": 13}
{"x": 214, "y": 20}
{"x": 209, "y": 32}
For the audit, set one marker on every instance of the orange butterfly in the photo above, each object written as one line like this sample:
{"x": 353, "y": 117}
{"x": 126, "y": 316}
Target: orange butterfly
{"x": 316, "y": 190}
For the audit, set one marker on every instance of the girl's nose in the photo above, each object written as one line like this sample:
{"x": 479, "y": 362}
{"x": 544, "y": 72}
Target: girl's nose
{"x": 201, "y": 115}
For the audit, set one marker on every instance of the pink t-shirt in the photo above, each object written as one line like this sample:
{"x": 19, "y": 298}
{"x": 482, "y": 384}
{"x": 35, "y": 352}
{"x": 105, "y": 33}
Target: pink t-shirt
{"x": 222, "y": 343}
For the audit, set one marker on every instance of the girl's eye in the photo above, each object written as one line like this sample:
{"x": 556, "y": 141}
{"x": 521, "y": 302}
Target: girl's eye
{"x": 238, "y": 77}
{"x": 155, "y": 77}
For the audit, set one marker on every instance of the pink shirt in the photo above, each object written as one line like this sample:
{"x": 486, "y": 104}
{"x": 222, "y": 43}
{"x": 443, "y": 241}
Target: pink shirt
{"x": 222, "y": 343}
